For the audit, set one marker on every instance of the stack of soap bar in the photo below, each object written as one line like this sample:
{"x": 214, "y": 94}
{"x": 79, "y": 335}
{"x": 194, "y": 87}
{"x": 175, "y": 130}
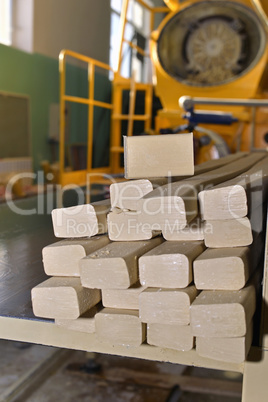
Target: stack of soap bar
{"x": 233, "y": 350}
{"x": 167, "y": 314}
{"x": 63, "y": 297}
{"x": 222, "y": 323}
{"x": 114, "y": 270}
{"x": 225, "y": 206}
{"x": 177, "y": 260}
{"x": 173, "y": 206}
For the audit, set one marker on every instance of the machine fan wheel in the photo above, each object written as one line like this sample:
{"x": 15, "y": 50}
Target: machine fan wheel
{"x": 213, "y": 51}
{"x": 211, "y": 43}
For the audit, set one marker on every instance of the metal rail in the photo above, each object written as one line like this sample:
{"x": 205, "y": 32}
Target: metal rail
{"x": 187, "y": 103}
{"x": 75, "y": 176}
{"x": 153, "y": 11}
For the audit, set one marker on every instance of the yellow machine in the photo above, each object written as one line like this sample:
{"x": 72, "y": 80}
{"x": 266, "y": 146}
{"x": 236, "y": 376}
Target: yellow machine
{"x": 215, "y": 49}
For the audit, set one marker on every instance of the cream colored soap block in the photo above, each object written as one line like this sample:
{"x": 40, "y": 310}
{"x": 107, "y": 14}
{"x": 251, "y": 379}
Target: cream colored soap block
{"x": 170, "y": 264}
{"x": 126, "y": 226}
{"x": 125, "y": 195}
{"x": 158, "y": 155}
{"x": 177, "y": 337}
{"x": 223, "y": 313}
{"x": 229, "y": 200}
{"x": 116, "y": 265}
{"x": 84, "y": 323}
{"x": 228, "y": 233}
{"x": 122, "y": 298}
{"x": 61, "y": 297}
{"x": 62, "y": 258}
{"x": 120, "y": 327}
{"x": 82, "y": 220}
{"x": 222, "y": 269}
{"x": 231, "y": 350}
{"x": 166, "y": 306}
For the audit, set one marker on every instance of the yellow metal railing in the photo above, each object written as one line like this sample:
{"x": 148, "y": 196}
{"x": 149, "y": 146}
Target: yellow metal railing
{"x": 153, "y": 11}
{"x": 121, "y": 84}
{"x": 79, "y": 177}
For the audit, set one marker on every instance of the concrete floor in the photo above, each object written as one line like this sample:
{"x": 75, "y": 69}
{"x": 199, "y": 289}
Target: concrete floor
{"x": 67, "y": 386}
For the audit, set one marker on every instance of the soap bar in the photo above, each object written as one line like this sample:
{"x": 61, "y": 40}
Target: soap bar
{"x": 166, "y": 306}
{"x": 115, "y": 266}
{"x": 62, "y": 297}
{"x": 177, "y": 337}
{"x": 82, "y": 220}
{"x": 158, "y": 155}
{"x": 120, "y": 327}
{"x": 62, "y": 258}
{"x": 223, "y": 313}
{"x": 228, "y": 233}
{"x": 122, "y": 298}
{"x": 222, "y": 269}
{"x": 170, "y": 264}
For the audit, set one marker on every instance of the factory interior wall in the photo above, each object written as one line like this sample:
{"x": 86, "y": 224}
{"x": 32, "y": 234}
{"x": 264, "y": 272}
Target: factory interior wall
{"x": 37, "y": 76}
{"x": 82, "y": 26}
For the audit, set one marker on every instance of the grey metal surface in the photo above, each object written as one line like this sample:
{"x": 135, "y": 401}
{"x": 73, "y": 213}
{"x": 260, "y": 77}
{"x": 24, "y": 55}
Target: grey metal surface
{"x": 22, "y": 238}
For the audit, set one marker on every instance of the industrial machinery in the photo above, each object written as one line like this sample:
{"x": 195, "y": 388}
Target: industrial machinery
{"x": 215, "y": 49}
{"x": 212, "y": 49}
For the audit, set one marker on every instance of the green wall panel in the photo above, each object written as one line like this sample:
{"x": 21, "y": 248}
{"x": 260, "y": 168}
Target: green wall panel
{"x": 37, "y": 76}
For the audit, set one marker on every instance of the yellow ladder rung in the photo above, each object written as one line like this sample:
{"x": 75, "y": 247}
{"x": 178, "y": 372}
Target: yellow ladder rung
{"x": 125, "y": 85}
{"x": 138, "y": 117}
{"x": 117, "y": 149}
